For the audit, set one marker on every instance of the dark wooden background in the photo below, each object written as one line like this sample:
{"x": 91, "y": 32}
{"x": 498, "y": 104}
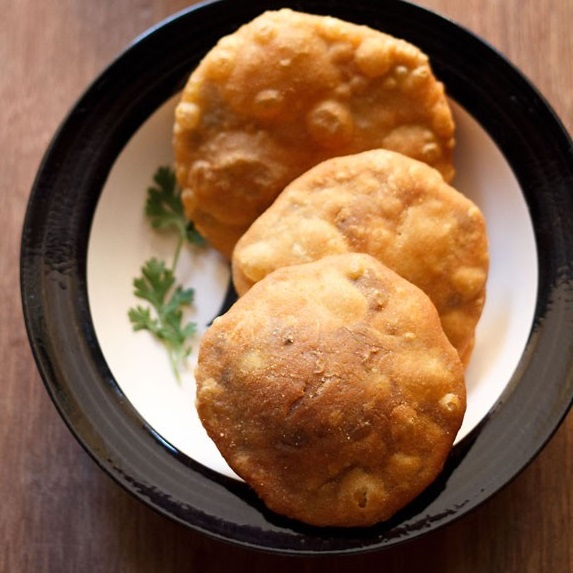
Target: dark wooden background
{"x": 59, "y": 512}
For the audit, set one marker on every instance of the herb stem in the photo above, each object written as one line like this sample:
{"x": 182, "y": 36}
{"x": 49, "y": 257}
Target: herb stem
{"x": 176, "y": 255}
{"x": 175, "y": 365}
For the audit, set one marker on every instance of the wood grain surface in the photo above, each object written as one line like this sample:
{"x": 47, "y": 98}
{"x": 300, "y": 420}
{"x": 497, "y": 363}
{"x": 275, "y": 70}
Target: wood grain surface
{"x": 59, "y": 512}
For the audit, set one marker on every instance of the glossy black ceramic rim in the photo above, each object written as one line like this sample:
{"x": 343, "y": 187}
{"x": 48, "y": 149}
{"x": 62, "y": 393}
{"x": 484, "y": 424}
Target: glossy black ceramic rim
{"x": 57, "y": 313}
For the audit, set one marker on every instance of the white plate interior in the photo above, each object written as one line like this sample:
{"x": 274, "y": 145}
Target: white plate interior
{"x": 121, "y": 240}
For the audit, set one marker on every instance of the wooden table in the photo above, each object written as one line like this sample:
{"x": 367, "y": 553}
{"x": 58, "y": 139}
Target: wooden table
{"x": 59, "y": 512}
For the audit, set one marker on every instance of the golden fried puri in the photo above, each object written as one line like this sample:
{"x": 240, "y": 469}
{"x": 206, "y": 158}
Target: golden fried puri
{"x": 287, "y": 91}
{"x": 388, "y": 205}
{"x": 332, "y": 390}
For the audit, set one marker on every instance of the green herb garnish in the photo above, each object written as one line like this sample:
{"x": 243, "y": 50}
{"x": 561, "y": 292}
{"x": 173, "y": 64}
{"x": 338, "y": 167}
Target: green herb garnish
{"x": 157, "y": 284}
{"x": 165, "y": 210}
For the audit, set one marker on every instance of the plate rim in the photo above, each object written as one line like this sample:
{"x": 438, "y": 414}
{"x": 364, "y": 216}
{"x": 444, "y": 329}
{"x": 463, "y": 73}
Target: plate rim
{"x": 53, "y": 262}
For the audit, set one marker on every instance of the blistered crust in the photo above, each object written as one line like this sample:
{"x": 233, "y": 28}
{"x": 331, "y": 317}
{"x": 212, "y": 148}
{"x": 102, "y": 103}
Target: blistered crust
{"x": 287, "y": 91}
{"x": 393, "y": 207}
{"x": 332, "y": 390}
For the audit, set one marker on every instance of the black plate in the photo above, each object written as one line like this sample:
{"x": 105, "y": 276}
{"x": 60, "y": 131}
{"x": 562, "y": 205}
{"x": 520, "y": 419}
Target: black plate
{"x": 57, "y": 312}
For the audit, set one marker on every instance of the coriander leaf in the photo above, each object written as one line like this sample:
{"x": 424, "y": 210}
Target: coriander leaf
{"x": 193, "y": 236}
{"x": 155, "y": 282}
{"x": 164, "y": 207}
{"x": 164, "y": 319}
{"x": 141, "y": 319}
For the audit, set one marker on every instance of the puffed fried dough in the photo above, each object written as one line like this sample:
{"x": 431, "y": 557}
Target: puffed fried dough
{"x": 285, "y": 92}
{"x": 332, "y": 390}
{"x": 393, "y": 207}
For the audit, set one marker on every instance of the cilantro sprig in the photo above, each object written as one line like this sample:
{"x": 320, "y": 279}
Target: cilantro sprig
{"x": 165, "y": 210}
{"x": 163, "y": 317}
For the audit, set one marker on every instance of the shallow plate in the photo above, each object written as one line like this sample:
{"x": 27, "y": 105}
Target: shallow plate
{"x": 148, "y": 383}
{"x": 85, "y": 238}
